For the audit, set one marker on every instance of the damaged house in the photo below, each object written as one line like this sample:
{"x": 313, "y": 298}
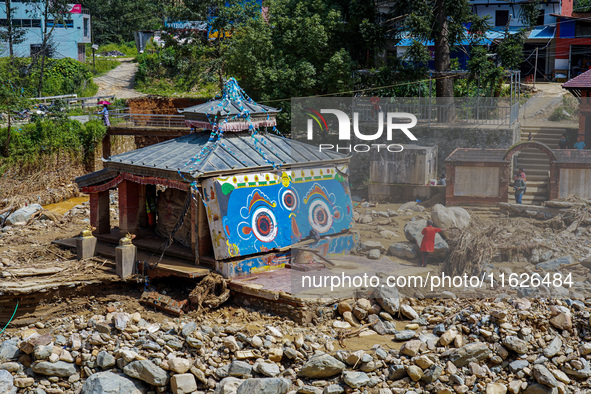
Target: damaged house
{"x": 246, "y": 196}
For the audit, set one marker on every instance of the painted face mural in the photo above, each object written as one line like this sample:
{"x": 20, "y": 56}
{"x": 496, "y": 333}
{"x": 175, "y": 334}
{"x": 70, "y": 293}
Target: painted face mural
{"x": 262, "y": 211}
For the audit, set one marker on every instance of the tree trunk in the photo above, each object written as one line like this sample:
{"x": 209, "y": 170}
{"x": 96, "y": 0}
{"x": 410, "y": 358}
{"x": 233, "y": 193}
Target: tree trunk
{"x": 44, "y": 46}
{"x": 444, "y": 82}
{"x": 7, "y": 145}
{"x": 9, "y": 27}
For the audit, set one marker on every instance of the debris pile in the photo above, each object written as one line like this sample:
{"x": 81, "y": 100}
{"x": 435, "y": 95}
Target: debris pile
{"x": 512, "y": 345}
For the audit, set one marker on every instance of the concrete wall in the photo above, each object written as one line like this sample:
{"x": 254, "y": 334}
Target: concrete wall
{"x": 575, "y": 181}
{"x": 414, "y": 166}
{"x": 446, "y": 138}
{"x": 477, "y": 181}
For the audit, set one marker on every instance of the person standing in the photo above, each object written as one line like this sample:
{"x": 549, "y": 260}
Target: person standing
{"x": 519, "y": 188}
{"x": 105, "y": 113}
{"x": 563, "y": 144}
{"x": 428, "y": 242}
{"x": 580, "y": 144}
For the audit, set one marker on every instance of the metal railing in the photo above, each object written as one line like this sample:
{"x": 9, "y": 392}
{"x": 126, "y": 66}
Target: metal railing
{"x": 124, "y": 118}
{"x": 477, "y": 111}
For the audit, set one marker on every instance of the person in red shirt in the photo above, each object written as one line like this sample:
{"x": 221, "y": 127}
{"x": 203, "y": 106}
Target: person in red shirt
{"x": 428, "y": 242}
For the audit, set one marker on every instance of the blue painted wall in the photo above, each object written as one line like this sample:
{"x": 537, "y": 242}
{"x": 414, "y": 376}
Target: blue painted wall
{"x": 66, "y": 39}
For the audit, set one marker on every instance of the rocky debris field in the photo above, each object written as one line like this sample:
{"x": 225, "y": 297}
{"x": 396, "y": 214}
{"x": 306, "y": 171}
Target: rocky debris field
{"x": 505, "y": 345}
{"x": 382, "y": 342}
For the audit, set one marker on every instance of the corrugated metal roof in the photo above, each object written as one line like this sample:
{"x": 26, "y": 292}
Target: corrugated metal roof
{"x": 106, "y": 174}
{"x": 231, "y": 108}
{"x": 235, "y": 152}
{"x": 477, "y": 155}
{"x": 573, "y": 156}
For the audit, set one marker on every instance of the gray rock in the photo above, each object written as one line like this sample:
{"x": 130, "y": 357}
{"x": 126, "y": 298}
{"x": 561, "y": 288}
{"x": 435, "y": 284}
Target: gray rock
{"x": 408, "y": 312}
{"x": 446, "y": 218}
{"x": 268, "y": 369}
{"x": 321, "y": 366}
{"x": 240, "y": 369}
{"x": 396, "y": 372}
{"x": 516, "y": 344}
{"x": 264, "y": 386}
{"x": 432, "y": 373}
{"x": 537, "y": 388}
{"x": 405, "y": 335}
{"x": 9, "y": 350}
{"x": 472, "y": 352}
{"x": 544, "y": 376}
{"x": 408, "y": 206}
{"x": 381, "y": 327}
{"x": 6, "y": 383}
{"x": 412, "y": 232}
{"x": 146, "y": 371}
{"x": 518, "y": 365}
{"x": 355, "y": 379}
{"x": 553, "y": 348}
{"x": 333, "y": 389}
{"x": 555, "y": 264}
{"x": 120, "y": 320}
{"x": 404, "y": 250}
{"x": 105, "y": 360}
{"x": 60, "y": 368}
{"x": 23, "y": 215}
{"x": 11, "y": 366}
{"x": 189, "y": 328}
{"x": 183, "y": 383}
{"x": 388, "y": 298}
{"x": 112, "y": 383}
{"x": 228, "y": 385}
{"x": 374, "y": 254}
{"x": 369, "y": 245}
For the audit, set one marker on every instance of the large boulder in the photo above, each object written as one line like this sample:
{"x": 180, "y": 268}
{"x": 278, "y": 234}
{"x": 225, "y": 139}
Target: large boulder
{"x": 112, "y": 383}
{"x": 412, "y": 232}
{"x": 321, "y": 366}
{"x": 60, "y": 368}
{"x": 388, "y": 298}
{"x": 23, "y": 214}
{"x": 147, "y": 371}
{"x": 404, "y": 250}
{"x": 446, "y": 218}
{"x": 6, "y": 382}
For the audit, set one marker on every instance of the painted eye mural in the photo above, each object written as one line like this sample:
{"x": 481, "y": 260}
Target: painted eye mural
{"x": 269, "y": 210}
{"x": 319, "y": 216}
{"x": 264, "y": 225}
{"x": 289, "y": 200}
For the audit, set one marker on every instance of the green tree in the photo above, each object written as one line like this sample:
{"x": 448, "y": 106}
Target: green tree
{"x": 12, "y": 99}
{"x": 114, "y": 21}
{"x": 295, "y": 52}
{"x": 10, "y": 33}
{"x": 443, "y": 23}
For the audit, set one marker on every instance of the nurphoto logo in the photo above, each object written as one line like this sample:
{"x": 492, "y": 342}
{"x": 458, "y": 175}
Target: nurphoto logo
{"x": 394, "y": 122}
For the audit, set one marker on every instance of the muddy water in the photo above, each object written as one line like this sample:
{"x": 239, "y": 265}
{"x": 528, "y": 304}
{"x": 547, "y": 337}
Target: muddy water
{"x": 65, "y": 206}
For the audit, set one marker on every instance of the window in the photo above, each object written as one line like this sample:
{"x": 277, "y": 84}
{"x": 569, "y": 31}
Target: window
{"x": 22, "y": 22}
{"x": 35, "y": 49}
{"x": 582, "y": 29}
{"x": 86, "y": 30}
{"x": 69, "y": 23}
{"x": 501, "y": 17}
{"x": 540, "y": 20}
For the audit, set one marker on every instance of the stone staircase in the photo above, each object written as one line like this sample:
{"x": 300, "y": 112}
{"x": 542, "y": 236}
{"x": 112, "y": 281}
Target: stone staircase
{"x": 536, "y": 164}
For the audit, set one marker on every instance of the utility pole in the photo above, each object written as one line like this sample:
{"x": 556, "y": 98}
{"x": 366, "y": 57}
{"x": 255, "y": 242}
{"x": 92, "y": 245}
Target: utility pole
{"x": 536, "y": 68}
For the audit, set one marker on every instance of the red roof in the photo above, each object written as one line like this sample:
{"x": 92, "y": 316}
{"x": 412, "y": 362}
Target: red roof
{"x": 579, "y": 82}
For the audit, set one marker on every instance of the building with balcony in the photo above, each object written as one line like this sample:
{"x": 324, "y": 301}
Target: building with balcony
{"x": 573, "y": 40}
{"x": 69, "y": 36}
